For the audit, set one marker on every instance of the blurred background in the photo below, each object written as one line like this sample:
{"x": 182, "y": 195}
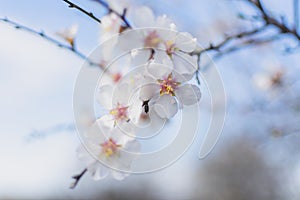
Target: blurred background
{"x": 257, "y": 156}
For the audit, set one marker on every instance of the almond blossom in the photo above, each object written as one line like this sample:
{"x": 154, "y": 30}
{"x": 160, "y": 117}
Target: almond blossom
{"x": 108, "y": 151}
{"x": 168, "y": 89}
{"x": 145, "y": 82}
{"x": 69, "y": 34}
{"x": 116, "y": 100}
{"x": 111, "y": 25}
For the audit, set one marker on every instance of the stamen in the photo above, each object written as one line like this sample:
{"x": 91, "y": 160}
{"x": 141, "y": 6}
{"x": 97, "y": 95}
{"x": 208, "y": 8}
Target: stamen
{"x": 120, "y": 113}
{"x": 168, "y": 85}
{"x": 110, "y": 148}
{"x": 170, "y": 47}
{"x": 152, "y": 40}
{"x": 116, "y": 77}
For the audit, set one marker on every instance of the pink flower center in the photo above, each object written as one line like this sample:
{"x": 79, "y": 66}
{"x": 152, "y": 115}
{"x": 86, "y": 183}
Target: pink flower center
{"x": 110, "y": 147}
{"x": 116, "y": 77}
{"x": 168, "y": 85}
{"x": 120, "y": 113}
{"x": 152, "y": 40}
{"x": 170, "y": 47}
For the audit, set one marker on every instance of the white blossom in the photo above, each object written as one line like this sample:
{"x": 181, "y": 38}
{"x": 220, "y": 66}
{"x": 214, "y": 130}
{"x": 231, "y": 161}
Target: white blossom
{"x": 167, "y": 87}
{"x": 69, "y": 34}
{"x": 107, "y": 151}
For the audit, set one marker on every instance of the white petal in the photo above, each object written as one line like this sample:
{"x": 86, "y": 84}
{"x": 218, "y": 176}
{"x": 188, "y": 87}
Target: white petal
{"x": 168, "y": 35}
{"x": 126, "y": 128}
{"x": 149, "y": 91}
{"x": 126, "y": 44}
{"x": 133, "y": 146}
{"x": 188, "y": 94}
{"x": 121, "y": 94}
{"x": 185, "y": 42}
{"x": 140, "y": 57}
{"x": 82, "y": 153}
{"x": 166, "y": 106}
{"x": 104, "y": 96}
{"x": 118, "y": 175}
{"x": 149, "y": 124}
{"x": 184, "y": 64}
{"x": 163, "y": 22}
{"x": 118, "y": 5}
{"x": 158, "y": 71}
{"x": 128, "y": 154}
{"x": 143, "y": 17}
{"x": 98, "y": 132}
{"x": 107, "y": 122}
{"x": 97, "y": 171}
{"x": 122, "y": 137}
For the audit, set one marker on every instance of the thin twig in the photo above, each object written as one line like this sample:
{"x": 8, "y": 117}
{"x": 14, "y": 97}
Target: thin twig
{"x": 49, "y": 39}
{"x": 296, "y": 14}
{"x": 91, "y": 15}
{"x": 270, "y": 20}
{"x": 250, "y": 42}
{"x": 198, "y": 69}
{"x": 77, "y": 178}
{"x": 222, "y": 44}
{"x": 246, "y": 44}
{"x": 228, "y": 39}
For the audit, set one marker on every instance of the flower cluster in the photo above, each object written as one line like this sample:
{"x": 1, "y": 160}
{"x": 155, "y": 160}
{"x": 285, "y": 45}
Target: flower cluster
{"x": 139, "y": 91}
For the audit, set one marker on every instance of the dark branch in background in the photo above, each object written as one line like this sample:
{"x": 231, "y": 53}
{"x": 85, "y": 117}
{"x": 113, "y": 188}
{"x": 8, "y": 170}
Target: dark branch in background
{"x": 50, "y": 39}
{"x": 268, "y": 21}
{"x": 221, "y": 49}
{"x": 77, "y": 178}
{"x": 198, "y": 70}
{"x": 246, "y": 44}
{"x": 218, "y": 47}
{"x": 296, "y": 15}
{"x": 43, "y": 133}
{"x": 91, "y": 15}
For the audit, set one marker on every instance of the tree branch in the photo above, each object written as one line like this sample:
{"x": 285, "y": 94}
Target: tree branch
{"x": 246, "y": 44}
{"x": 50, "y": 39}
{"x": 91, "y": 15}
{"x": 77, "y": 178}
{"x": 296, "y": 14}
{"x": 270, "y": 20}
{"x": 228, "y": 39}
{"x": 218, "y": 47}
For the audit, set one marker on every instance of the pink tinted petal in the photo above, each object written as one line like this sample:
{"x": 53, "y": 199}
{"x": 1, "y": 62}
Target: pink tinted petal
{"x": 97, "y": 171}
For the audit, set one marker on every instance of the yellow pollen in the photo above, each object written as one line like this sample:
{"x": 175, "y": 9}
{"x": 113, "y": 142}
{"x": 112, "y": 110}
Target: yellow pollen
{"x": 113, "y": 112}
{"x": 169, "y": 43}
{"x": 110, "y": 148}
{"x": 168, "y": 86}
